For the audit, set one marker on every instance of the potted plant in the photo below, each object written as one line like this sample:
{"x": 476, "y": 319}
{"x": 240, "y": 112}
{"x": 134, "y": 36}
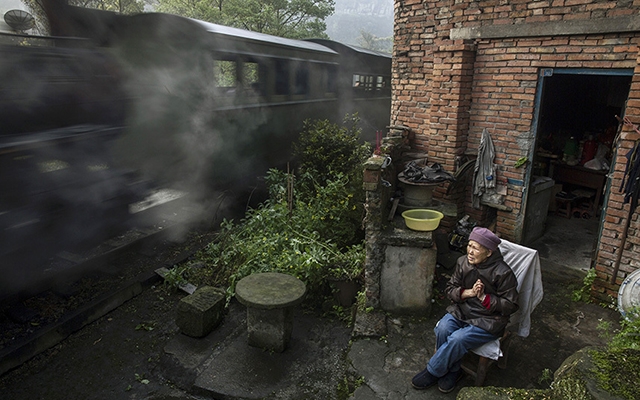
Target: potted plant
{"x": 345, "y": 274}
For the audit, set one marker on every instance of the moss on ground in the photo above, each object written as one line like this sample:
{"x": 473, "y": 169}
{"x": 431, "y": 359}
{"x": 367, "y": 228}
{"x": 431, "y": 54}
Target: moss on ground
{"x": 495, "y": 393}
{"x": 618, "y": 372}
{"x": 591, "y": 373}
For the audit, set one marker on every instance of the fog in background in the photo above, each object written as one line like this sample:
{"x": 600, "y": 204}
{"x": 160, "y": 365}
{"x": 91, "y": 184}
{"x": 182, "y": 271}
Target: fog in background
{"x": 351, "y": 17}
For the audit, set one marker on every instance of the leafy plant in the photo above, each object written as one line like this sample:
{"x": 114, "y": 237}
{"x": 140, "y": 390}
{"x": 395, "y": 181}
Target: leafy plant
{"x": 310, "y": 227}
{"x": 348, "y": 265}
{"x": 175, "y": 277}
{"x": 546, "y": 376}
{"x": 328, "y": 150}
{"x": 348, "y": 385}
{"x": 361, "y": 303}
{"x": 140, "y": 378}
{"x": 269, "y": 239}
{"x": 628, "y": 337}
{"x": 330, "y": 162}
{"x": 584, "y": 293}
{"x": 604, "y": 327}
{"x": 145, "y": 326}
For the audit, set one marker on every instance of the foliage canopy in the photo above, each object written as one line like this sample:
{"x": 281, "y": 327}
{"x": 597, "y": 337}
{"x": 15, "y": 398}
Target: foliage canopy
{"x": 37, "y": 9}
{"x": 297, "y": 19}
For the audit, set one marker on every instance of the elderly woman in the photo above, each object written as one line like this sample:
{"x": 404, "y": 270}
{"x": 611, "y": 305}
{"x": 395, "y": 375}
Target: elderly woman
{"x": 483, "y": 291}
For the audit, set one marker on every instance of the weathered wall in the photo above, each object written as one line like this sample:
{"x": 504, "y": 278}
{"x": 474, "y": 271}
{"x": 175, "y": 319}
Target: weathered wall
{"x": 616, "y": 212}
{"x": 460, "y": 67}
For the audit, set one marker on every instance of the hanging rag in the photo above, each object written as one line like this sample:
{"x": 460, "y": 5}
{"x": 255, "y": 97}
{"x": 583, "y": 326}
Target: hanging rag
{"x": 485, "y": 170}
{"x": 631, "y": 179}
{"x": 631, "y": 187}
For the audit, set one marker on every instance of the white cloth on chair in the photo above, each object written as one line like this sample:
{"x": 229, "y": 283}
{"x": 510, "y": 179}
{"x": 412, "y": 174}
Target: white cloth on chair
{"x": 525, "y": 264}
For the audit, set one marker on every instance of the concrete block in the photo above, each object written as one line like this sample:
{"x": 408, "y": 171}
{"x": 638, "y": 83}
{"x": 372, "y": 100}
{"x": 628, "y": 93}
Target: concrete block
{"x": 406, "y": 279}
{"x": 201, "y": 312}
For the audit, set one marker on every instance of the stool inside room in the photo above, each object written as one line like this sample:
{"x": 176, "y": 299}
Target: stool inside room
{"x": 565, "y": 203}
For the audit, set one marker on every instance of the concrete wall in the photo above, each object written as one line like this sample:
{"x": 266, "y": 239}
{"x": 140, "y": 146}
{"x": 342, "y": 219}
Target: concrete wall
{"x": 407, "y": 279}
{"x": 461, "y": 67}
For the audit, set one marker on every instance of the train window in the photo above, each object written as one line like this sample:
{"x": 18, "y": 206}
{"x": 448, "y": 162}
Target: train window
{"x": 251, "y": 78}
{"x": 362, "y": 81}
{"x": 368, "y": 82}
{"x": 356, "y": 80}
{"x": 282, "y": 77}
{"x": 332, "y": 79}
{"x": 380, "y": 82}
{"x": 250, "y": 74}
{"x": 224, "y": 73}
{"x": 302, "y": 79}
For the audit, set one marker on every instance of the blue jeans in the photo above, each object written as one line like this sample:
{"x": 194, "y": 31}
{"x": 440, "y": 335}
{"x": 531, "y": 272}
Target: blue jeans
{"x": 454, "y": 339}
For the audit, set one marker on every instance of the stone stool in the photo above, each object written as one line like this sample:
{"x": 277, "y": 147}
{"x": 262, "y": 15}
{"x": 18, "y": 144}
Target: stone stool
{"x": 270, "y": 299}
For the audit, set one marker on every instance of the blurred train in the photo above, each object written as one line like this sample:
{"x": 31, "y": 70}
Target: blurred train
{"x": 91, "y": 123}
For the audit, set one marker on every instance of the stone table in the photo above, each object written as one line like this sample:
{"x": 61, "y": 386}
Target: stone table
{"x": 270, "y": 298}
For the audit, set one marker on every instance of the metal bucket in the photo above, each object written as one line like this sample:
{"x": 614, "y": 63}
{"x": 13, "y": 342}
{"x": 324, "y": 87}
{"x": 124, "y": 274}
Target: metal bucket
{"x": 418, "y": 195}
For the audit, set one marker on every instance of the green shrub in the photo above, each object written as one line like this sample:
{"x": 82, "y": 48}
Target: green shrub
{"x": 327, "y": 150}
{"x": 310, "y": 227}
{"x": 330, "y": 162}
{"x": 628, "y": 337}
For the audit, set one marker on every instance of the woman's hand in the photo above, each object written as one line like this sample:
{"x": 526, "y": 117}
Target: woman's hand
{"x": 478, "y": 289}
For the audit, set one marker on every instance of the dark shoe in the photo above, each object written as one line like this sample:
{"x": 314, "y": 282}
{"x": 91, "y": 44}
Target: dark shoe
{"x": 424, "y": 380}
{"x": 447, "y": 383}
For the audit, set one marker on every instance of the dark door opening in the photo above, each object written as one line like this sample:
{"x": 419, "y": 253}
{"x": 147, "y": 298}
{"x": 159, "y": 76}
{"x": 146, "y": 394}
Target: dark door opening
{"x": 575, "y": 128}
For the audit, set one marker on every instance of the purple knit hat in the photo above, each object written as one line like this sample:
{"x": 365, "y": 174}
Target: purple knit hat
{"x": 485, "y": 238}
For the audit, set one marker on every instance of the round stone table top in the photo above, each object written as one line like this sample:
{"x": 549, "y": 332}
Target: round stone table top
{"x": 270, "y": 290}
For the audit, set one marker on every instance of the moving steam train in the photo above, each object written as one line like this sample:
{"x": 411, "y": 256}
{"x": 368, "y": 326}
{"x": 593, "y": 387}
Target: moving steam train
{"x": 90, "y": 123}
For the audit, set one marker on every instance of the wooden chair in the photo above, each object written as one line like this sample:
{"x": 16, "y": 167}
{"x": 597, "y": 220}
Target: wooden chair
{"x": 525, "y": 263}
{"x": 477, "y": 366}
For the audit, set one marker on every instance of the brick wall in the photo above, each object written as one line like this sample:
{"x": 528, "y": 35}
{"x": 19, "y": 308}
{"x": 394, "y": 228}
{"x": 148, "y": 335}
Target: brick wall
{"x": 609, "y": 271}
{"x": 456, "y": 72}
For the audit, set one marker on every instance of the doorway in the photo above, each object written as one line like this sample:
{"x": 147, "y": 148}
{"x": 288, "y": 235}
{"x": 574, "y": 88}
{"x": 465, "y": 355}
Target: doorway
{"x": 575, "y": 128}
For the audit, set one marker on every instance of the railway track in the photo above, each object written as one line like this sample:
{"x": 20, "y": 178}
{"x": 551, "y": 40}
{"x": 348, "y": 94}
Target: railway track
{"x": 89, "y": 285}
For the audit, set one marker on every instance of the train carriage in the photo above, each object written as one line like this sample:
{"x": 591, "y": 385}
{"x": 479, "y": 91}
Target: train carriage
{"x": 163, "y": 99}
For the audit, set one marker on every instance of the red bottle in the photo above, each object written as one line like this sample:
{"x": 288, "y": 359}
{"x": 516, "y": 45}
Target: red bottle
{"x": 589, "y": 150}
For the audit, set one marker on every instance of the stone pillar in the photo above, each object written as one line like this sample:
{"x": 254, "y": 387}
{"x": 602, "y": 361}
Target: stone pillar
{"x": 400, "y": 263}
{"x": 269, "y": 329}
{"x": 377, "y": 197}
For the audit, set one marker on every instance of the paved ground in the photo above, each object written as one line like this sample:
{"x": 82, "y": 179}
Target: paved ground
{"x": 136, "y": 352}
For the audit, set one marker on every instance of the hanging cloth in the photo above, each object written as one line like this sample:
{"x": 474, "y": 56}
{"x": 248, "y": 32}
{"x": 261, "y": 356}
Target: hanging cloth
{"x": 485, "y": 170}
{"x": 631, "y": 179}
